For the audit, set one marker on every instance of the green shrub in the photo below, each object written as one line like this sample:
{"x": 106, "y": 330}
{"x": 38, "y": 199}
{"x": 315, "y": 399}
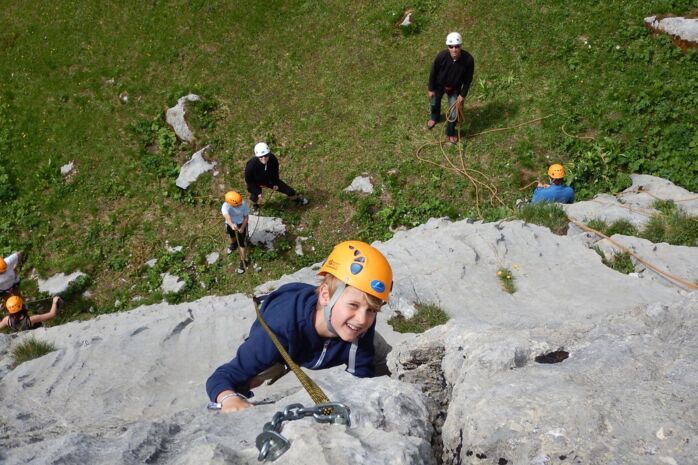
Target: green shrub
{"x": 30, "y": 349}
{"x": 427, "y": 316}
{"x": 507, "y": 279}
{"x": 546, "y": 214}
{"x": 674, "y": 228}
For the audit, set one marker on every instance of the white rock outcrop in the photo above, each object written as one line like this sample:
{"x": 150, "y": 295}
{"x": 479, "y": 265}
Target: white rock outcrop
{"x": 59, "y": 283}
{"x": 680, "y": 27}
{"x": 264, "y": 230}
{"x": 194, "y": 168}
{"x": 176, "y": 117}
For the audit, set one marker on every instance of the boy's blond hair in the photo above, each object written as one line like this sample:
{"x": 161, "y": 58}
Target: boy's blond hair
{"x": 374, "y": 303}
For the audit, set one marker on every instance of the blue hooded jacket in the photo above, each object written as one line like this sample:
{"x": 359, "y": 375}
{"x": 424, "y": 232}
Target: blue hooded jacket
{"x": 290, "y": 313}
{"x": 554, "y": 193}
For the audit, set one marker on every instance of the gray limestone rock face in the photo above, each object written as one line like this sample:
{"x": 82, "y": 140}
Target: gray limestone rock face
{"x": 59, "y": 283}
{"x": 683, "y": 28}
{"x": 634, "y": 204}
{"x": 194, "y": 168}
{"x": 360, "y": 184}
{"x": 212, "y": 258}
{"x": 264, "y": 230}
{"x": 176, "y": 117}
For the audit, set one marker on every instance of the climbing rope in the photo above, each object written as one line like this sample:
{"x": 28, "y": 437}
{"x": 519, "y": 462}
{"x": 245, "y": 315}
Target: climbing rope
{"x": 671, "y": 277}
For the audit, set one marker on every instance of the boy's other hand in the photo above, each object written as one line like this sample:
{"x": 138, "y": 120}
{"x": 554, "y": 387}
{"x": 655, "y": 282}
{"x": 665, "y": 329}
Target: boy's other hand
{"x": 234, "y": 404}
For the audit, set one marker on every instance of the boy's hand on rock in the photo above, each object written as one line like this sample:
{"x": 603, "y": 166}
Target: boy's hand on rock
{"x": 234, "y": 404}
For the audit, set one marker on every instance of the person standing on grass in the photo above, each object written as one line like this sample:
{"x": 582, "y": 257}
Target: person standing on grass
{"x": 236, "y": 215}
{"x": 556, "y": 191}
{"x": 19, "y": 319}
{"x": 9, "y": 281}
{"x": 262, "y": 170}
{"x": 451, "y": 74}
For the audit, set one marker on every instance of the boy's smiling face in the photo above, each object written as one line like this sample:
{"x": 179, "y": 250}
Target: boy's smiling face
{"x": 351, "y": 316}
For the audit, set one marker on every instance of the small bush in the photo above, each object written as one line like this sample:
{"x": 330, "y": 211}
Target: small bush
{"x": 427, "y": 316}
{"x": 621, "y": 262}
{"x": 30, "y": 349}
{"x": 673, "y": 227}
{"x": 550, "y": 215}
{"x": 507, "y": 280}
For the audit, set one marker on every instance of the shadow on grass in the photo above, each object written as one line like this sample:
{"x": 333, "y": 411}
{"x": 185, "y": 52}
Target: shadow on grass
{"x": 491, "y": 115}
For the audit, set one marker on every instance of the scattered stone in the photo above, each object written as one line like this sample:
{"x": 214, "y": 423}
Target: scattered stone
{"x": 360, "y": 184}
{"x": 176, "y": 117}
{"x": 123, "y": 97}
{"x": 684, "y": 29}
{"x": 194, "y": 168}
{"x": 299, "y": 245}
{"x": 264, "y": 230}
{"x": 136, "y": 298}
{"x": 87, "y": 294}
{"x": 151, "y": 263}
{"x": 406, "y": 18}
{"x": 173, "y": 249}
{"x": 117, "y": 303}
{"x": 212, "y": 258}
{"x": 59, "y": 283}
{"x": 67, "y": 168}
{"x": 171, "y": 283}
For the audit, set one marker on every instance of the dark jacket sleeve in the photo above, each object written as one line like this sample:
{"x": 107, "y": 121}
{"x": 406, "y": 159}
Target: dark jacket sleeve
{"x": 433, "y": 74}
{"x": 255, "y": 355}
{"x": 249, "y": 172}
{"x": 469, "y": 72}
{"x": 273, "y": 170}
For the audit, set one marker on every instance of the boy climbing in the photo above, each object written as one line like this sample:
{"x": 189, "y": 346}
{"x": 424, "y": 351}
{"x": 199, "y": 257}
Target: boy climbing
{"x": 19, "y": 319}
{"x": 556, "y": 191}
{"x": 236, "y": 215}
{"x": 321, "y": 327}
{"x": 262, "y": 170}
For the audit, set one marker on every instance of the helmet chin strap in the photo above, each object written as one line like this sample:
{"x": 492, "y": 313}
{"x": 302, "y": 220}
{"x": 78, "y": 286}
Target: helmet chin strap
{"x": 330, "y": 305}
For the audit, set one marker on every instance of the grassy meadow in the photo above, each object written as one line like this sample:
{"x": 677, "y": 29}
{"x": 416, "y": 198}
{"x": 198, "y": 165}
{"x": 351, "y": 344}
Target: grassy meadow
{"x": 338, "y": 90}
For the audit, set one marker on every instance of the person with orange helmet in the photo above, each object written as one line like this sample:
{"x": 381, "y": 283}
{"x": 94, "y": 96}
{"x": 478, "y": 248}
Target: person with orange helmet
{"x": 556, "y": 191}
{"x": 9, "y": 281}
{"x": 19, "y": 319}
{"x": 320, "y": 326}
{"x": 236, "y": 215}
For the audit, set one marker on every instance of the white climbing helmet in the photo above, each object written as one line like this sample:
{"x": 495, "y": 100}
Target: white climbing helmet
{"x": 261, "y": 149}
{"x": 454, "y": 38}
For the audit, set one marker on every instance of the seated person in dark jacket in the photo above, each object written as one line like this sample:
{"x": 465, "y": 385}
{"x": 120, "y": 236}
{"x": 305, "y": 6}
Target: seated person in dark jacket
{"x": 451, "y": 74}
{"x": 262, "y": 170}
{"x": 320, "y": 327}
{"x": 556, "y": 191}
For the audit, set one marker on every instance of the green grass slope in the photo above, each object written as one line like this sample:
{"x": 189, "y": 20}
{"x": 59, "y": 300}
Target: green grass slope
{"x": 338, "y": 90}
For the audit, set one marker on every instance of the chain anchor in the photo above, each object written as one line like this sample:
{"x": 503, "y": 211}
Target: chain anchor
{"x": 272, "y": 445}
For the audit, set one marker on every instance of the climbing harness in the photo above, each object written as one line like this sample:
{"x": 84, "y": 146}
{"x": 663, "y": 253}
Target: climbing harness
{"x": 272, "y": 445}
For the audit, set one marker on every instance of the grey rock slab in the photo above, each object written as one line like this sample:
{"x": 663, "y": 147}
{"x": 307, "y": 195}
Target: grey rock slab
{"x": 646, "y": 190}
{"x": 608, "y": 209}
{"x": 679, "y": 261}
{"x": 171, "y": 283}
{"x": 212, "y": 258}
{"x": 67, "y": 168}
{"x": 683, "y": 28}
{"x": 360, "y": 184}
{"x": 176, "y": 117}
{"x": 264, "y": 230}
{"x": 194, "y": 168}
{"x": 151, "y": 263}
{"x": 59, "y": 282}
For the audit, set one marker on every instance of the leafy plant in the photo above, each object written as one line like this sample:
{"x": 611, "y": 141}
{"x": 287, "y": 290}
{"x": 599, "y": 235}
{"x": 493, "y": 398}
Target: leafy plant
{"x": 673, "y": 227}
{"x": 506, "y": 278}
{"x": 30, "y": 349}
{"x": 427, "y": 316}
{"x": 621, "y": 262}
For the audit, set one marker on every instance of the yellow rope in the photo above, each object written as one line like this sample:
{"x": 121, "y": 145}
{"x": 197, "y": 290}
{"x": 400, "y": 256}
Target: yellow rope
{"x": 313, "y": 389}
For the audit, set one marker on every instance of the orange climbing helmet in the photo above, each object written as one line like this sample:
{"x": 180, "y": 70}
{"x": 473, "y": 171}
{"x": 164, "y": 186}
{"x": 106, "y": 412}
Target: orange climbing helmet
{"x": 556, "y": 171}
{"x": 3, "y": 265}
{"x": 14, "y": 304}
{"x": 362, "y": 266}
{"x": 233, "y": 198}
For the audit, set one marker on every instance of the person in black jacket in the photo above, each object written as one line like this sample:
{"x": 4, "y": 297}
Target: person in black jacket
{"x": 451, "y": 74}
{"x": 262, "y": 170}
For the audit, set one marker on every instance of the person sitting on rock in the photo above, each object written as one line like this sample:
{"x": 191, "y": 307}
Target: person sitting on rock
{"x": 236, "y": 215}
{"x": 556, "y": 191}
{"x": 320, "y": 327}
{"x": 19, "y": 319}
{"x": 262, "y": 170}
{"x": 9, "y": 281}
